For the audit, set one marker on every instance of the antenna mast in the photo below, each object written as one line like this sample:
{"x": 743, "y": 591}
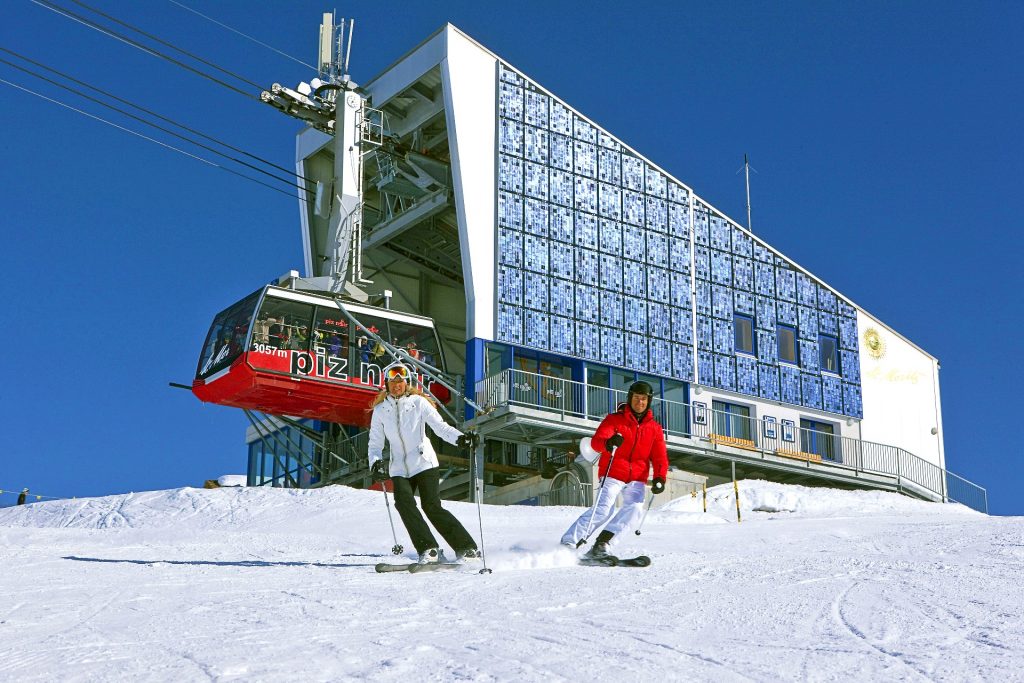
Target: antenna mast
{"x": 747, "y": 169}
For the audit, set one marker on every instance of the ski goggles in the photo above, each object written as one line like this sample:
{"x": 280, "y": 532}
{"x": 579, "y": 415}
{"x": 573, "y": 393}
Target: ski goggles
{"x": 396, "y": 372}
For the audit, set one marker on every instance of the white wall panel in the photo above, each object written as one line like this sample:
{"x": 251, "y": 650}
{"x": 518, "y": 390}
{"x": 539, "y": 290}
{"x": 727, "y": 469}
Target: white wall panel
{"x": 469, "y": 95}
{"x": 900, "y": 392}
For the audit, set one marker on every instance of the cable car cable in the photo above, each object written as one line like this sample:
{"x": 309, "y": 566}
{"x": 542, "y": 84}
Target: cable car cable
{"x": 234, "y": 30}
{"x": 153, "y": 125}
{"x": 93, "y": 25}
{"x": 146, "y": 137}
{"x": 167, "y": 44}
{"x": 151, "y": 113}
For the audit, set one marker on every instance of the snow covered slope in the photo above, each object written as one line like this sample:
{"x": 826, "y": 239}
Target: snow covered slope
{"x": 264, "y": 584}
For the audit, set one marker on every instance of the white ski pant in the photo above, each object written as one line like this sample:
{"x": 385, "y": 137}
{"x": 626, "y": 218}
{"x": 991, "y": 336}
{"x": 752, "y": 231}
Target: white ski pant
{"x": 632, "y": 509}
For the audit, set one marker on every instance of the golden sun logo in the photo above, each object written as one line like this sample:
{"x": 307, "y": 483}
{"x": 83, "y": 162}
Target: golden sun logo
{"x": 874, "y": 343}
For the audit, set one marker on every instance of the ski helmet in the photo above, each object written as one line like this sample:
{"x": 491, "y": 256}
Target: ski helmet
{"x": 640, "y": 387}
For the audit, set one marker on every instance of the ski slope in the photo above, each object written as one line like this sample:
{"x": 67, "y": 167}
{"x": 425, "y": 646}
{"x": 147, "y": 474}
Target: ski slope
{"x": 272, "y": 585}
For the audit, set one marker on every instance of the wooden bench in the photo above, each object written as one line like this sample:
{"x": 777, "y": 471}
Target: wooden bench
{"x": 723, "y": 440}
{"x": 798, "y": 455}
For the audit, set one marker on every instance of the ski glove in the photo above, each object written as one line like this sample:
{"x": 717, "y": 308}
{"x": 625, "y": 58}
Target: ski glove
{"x": 658, "y": 485}
{"x": 614, "y": 441}
{"x": 467, "y": 440}
{"x": 378, "y": 472}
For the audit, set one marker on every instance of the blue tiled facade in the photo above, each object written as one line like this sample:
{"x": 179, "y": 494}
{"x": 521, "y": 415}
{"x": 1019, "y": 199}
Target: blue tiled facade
{"x": 602, "y": 257}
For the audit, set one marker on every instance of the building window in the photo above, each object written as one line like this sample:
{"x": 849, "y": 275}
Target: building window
{"x": 829, "y": 348}
{"x": 786, "y": 335}
{"x": 818, "y": 437}
{"x": 732, "y": 420}
{"x": 743, "y": 330}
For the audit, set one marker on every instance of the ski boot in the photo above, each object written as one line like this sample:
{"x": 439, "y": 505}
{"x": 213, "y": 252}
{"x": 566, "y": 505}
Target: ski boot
{"x": 467, "y": 554}
{"x": 600, "y": 549}
{"x": 430, "y": 556}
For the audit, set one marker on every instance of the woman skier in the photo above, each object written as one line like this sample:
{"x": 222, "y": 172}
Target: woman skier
{"x": 400, "y": 413}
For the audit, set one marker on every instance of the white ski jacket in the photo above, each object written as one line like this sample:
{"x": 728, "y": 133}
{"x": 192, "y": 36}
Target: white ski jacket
{"x": 402, "y": 422}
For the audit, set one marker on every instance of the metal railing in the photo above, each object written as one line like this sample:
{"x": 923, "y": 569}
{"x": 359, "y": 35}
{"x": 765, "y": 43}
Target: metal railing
{"x": 764, "y": 437}
{"x": 959, "y": 490}
{"x": 577, "y": 494}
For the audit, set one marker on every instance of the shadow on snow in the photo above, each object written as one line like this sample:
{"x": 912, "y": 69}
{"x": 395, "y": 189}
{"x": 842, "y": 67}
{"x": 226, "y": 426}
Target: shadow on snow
{"x": 238, "y": 563}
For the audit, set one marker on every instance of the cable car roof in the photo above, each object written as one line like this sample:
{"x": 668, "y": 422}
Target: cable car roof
{"x": 353, "y": 308}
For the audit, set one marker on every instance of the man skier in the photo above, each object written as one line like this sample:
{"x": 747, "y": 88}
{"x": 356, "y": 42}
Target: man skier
{"x": 400, "y": 413}
{"x": 639, "y": 442}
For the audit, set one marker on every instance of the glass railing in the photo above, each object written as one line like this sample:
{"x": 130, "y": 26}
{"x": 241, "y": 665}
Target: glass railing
{"x": 810, "y": 448}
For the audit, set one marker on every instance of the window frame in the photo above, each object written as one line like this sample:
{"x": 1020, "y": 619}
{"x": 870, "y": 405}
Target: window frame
{"x": 779, "y": 327}
{"x": 749, "y": 320}
{"x": 815, "y": 439}
{"x": 730, "y": 415}
{"x": 835, "y": 354}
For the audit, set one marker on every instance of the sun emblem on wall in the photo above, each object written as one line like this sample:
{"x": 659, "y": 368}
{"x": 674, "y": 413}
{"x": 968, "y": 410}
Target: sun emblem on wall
{"x": 874, "y": 342}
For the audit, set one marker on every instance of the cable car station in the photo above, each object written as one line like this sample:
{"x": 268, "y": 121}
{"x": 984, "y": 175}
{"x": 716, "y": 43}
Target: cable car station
{"x": 528, "y": 266}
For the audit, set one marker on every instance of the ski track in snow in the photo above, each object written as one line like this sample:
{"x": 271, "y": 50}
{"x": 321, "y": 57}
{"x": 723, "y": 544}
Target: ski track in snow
{"x": 257, "y": 584}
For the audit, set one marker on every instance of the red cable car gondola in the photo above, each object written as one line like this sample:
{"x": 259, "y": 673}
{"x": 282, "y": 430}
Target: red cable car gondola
{"x": 288, "y": 352}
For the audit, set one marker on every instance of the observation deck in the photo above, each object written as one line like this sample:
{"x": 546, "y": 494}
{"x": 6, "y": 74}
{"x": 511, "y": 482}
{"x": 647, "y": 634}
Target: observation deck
{"x": 543, "y": 411}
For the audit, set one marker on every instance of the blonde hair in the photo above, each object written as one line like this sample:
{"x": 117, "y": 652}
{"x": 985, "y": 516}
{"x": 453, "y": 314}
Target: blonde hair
{"x": 410, "y": 390}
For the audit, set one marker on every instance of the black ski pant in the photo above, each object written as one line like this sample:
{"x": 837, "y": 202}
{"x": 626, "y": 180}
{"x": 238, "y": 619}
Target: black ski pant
{"x": 427, "y": 483}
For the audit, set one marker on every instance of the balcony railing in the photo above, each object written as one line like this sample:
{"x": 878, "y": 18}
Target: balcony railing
{"x": 808, "y": 447}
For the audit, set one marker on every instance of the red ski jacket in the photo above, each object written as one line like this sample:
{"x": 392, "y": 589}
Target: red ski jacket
{"x": 643, "y": 445}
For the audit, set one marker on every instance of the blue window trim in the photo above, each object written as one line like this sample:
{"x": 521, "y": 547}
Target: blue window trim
{"x": 796, "y": 344}
{"x": 753, "y": 334}
{"x": 835, "y": 356}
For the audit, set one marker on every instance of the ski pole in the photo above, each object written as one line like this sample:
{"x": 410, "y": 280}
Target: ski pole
{"x": 597, "y": 498}
{"x": 644, "y": 518}
{"x": 397, "y": 548}
{"x": 478, "y": 491}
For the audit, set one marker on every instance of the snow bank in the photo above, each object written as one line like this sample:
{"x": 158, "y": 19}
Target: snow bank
{"x": 322, "y": 510}
{"x": 765, "y": 498}
{"x": 265, "y": 509}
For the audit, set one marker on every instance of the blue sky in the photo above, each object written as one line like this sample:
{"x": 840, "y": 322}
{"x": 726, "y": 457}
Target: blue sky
{"x": 885, "y": 136}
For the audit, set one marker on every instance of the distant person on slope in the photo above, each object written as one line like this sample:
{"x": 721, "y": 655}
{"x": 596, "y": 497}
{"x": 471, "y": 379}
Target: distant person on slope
{"x": 400, "y": 413}
{"x": 639, "y": 442}
{"x": 22, "y": 496}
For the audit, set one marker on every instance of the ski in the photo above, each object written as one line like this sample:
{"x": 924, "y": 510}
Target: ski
{"x": 383, "y": 567}
{"x": 433, "y": 567}
{"x": 613, "y": 561}
{"x": 414, "y": 567}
